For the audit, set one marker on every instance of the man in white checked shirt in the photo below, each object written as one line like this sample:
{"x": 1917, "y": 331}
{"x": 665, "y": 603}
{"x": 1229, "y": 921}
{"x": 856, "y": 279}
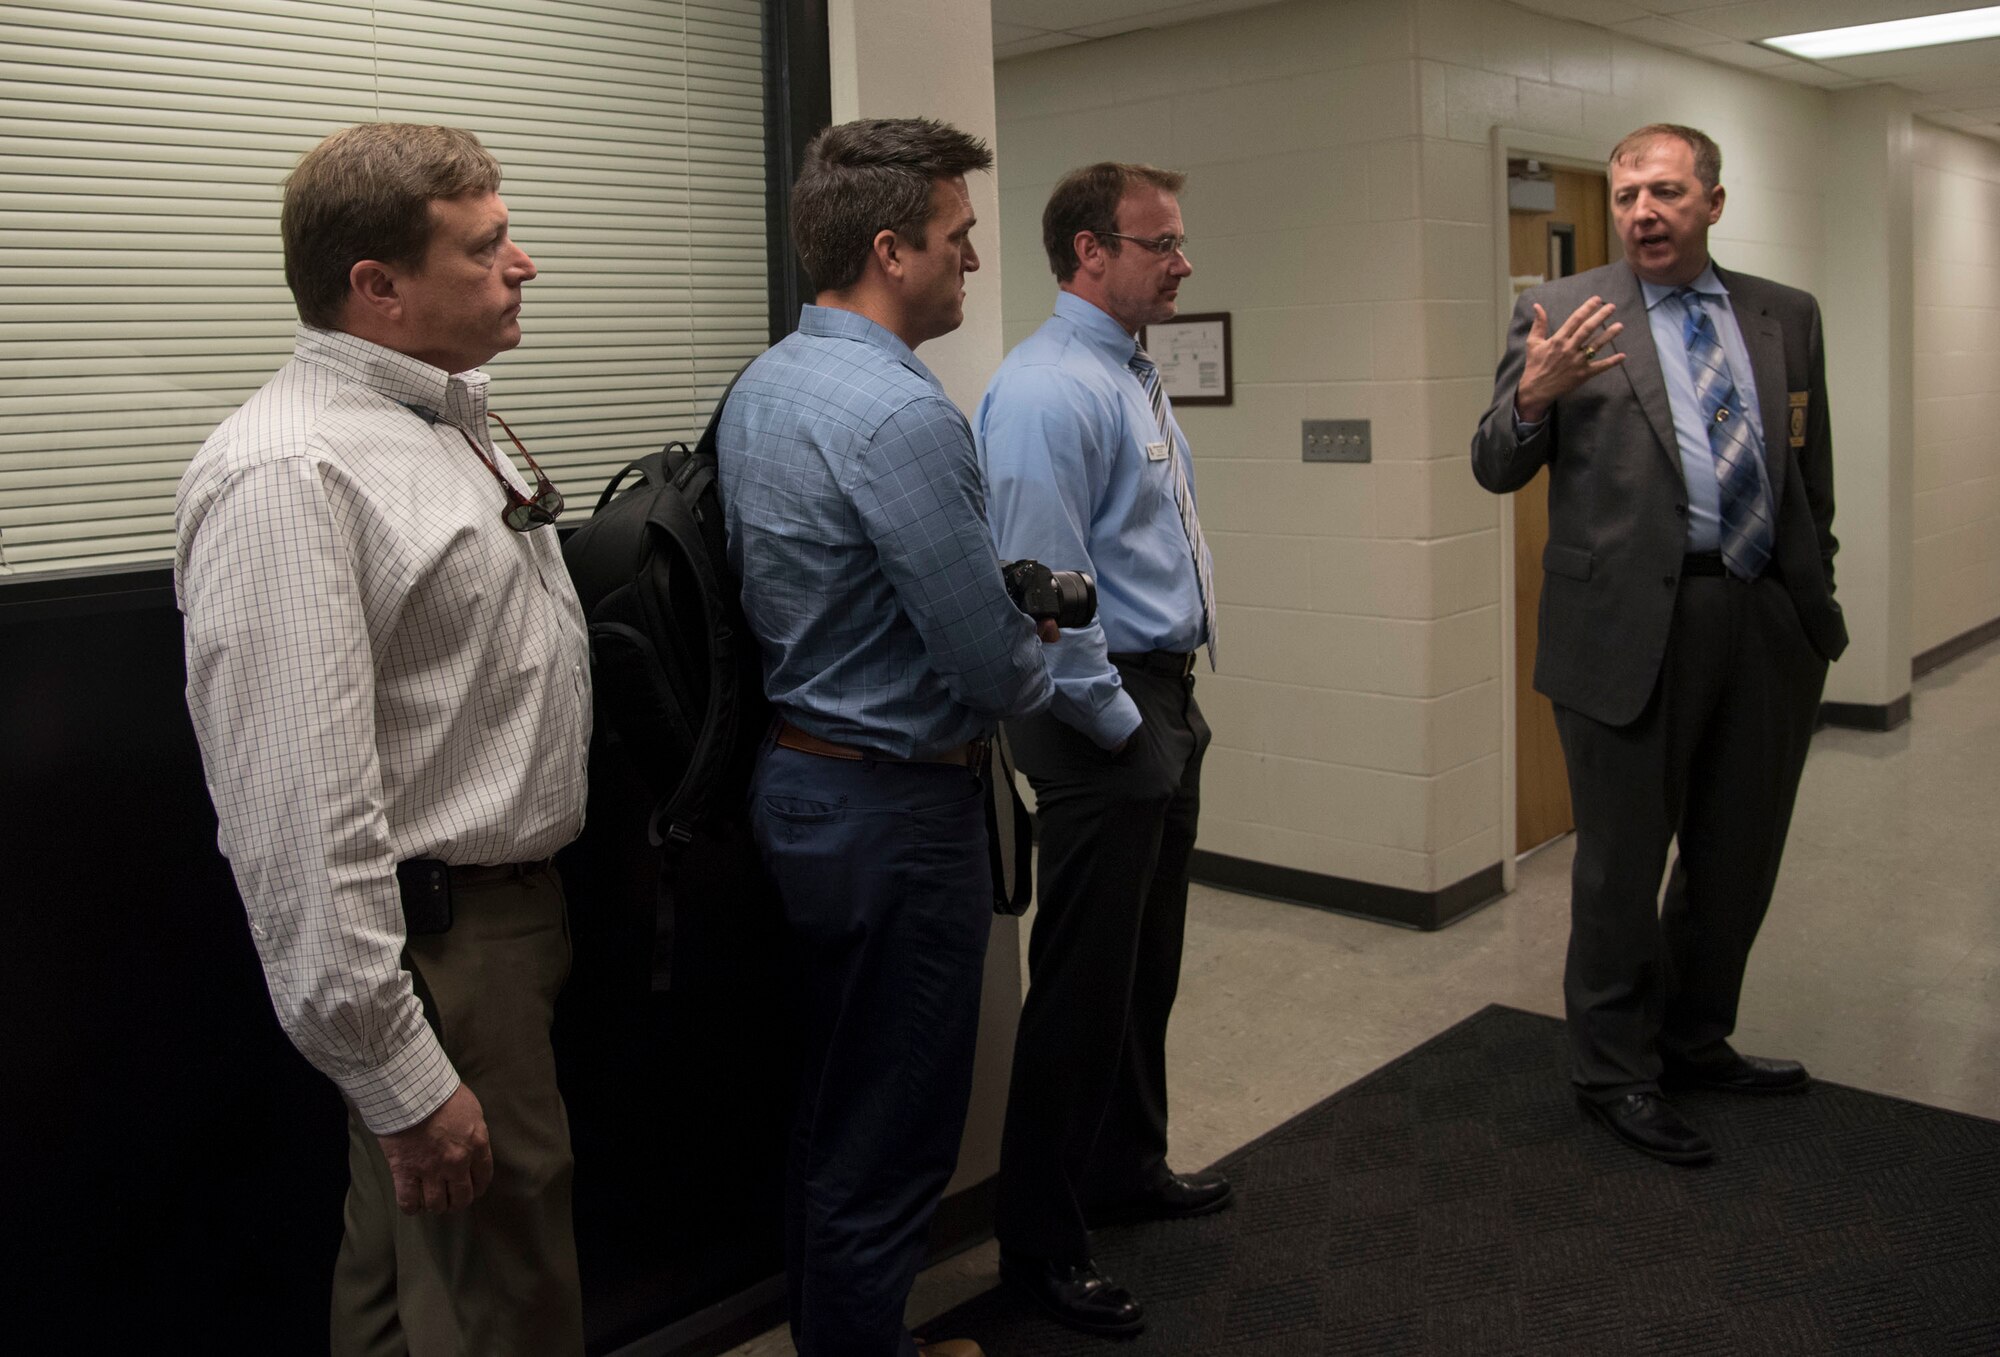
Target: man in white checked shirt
{"x": 387, "y": 665}
{"x": 1087, "y": 469}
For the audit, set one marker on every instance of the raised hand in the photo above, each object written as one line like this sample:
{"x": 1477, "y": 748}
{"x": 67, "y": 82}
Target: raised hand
{"x": 1559, "y": 363}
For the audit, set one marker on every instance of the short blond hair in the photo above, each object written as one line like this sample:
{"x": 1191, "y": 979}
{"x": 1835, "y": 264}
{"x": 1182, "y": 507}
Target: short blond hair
{"x": 366, "y": 193}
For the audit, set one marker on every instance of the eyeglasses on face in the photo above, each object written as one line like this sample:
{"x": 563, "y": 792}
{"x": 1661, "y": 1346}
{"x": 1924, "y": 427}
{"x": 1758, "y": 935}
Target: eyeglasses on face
{"x": 522, "y": 514}
{"x": 1159, "y": 245}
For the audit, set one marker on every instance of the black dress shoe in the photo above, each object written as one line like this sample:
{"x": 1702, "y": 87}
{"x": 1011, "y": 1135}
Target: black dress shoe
{"x": 1076, "y": 1294}
{"x": 1739, "y": 1074}
{"x": 1175, "y": 1197}
{"x": 1648, "y": 1123}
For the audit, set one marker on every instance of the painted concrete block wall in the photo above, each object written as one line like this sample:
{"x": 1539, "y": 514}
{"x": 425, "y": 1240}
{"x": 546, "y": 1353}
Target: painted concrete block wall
{"x": 1341, "y": 209}
{"x": 1352, "y": 710}
{"x": 1957, "y": 345}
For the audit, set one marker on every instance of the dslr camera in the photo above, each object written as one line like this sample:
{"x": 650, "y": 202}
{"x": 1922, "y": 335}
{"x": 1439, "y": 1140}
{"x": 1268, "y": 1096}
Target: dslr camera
{"x": 1068, "y": 596}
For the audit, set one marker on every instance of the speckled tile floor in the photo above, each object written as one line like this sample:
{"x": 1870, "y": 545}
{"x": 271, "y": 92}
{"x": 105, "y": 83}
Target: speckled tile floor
{"x": 1879, "y": 965}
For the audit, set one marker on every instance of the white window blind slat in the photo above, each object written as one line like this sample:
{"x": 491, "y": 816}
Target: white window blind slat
{"x": 142, "y": 148}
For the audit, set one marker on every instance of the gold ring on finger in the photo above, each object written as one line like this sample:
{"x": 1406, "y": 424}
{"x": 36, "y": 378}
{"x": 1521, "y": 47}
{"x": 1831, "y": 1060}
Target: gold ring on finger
{"x": 1589, "y": 352}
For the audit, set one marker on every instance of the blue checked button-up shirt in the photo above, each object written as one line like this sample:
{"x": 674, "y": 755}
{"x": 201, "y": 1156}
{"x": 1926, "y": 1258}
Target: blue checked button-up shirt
{"x": 857, "y": 524}
{"x": 1063, "y": 432}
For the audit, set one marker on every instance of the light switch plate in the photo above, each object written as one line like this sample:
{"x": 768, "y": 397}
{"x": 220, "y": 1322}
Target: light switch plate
{"x": 1337, "y": 440}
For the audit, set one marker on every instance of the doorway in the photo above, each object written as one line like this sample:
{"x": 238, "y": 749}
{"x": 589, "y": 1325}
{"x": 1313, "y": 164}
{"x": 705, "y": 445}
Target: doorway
{"x": 1556, "y": 226}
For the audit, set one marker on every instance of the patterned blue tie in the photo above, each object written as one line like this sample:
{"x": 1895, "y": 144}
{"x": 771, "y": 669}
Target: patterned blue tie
{"x": 1149, "y": 377}
{"x": 1745, "y": 507}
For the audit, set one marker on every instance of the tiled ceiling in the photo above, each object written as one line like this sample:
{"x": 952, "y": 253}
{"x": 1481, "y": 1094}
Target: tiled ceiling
{"x": 1957, "y": 85}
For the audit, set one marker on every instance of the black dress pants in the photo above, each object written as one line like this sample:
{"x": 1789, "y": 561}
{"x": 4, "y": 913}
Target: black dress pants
{"x": 1713, "y": 761}
{"x": 1087, "y": 1113}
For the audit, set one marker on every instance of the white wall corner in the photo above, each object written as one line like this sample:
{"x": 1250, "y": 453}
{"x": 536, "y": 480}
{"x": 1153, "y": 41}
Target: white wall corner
{"x": 1868, "y": 306}
{"x": 934, "y": 59}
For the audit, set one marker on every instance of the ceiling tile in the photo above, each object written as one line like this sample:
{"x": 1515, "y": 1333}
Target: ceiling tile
{"x": 1747, "y": 55}
{"x": 1667, "y": 33}
{"x": 1041, "y": 42}
{"x": 1821, "y": 78}
{"x": 1111, "y": 28}
{"x": 1055, "y": 16}
{"x": 1599, "y": 12}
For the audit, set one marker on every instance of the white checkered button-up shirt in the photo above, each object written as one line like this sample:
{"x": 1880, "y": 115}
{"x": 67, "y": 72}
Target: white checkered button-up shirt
{"x": 378, "y": 669}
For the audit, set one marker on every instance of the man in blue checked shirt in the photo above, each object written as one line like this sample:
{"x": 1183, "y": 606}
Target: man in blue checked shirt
{"x": 857, "y": 523}
{"x": 1088, "y": 470}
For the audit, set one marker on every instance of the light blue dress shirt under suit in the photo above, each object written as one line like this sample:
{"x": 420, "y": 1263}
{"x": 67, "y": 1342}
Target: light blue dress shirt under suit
{"x": 856, "y": 522}
{"x": 1077, "y": 477}
{"x": 1667, "y": 315}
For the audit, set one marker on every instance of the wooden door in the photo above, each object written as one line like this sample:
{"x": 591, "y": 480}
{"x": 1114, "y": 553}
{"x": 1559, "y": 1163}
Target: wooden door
{"x": 1570, "y": 239}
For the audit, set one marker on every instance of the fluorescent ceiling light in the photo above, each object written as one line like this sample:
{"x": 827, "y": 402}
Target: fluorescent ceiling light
{"x": 1930, "y": 30}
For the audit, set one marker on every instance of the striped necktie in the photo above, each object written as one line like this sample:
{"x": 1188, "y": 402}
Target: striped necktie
{"x": 1149, "y": 377}
{"x": 1745, "y": 508}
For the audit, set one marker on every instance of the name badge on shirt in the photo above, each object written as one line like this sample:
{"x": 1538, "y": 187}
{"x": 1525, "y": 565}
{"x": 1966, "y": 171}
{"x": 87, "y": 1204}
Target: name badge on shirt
{"x": 1156, "y": 452}
{"x": 1798, "y": 400}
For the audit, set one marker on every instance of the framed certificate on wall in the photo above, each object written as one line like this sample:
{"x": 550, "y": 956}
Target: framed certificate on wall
{"x": 1192, "y": 353}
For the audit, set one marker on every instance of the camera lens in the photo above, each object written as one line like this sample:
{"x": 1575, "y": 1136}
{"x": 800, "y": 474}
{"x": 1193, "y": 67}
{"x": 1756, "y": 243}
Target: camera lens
{"x": 1076, "y": 595}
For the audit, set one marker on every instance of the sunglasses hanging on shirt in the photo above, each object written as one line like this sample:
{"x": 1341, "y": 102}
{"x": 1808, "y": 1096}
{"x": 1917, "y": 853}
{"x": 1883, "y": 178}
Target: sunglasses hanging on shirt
{"x": 522, "y": 514}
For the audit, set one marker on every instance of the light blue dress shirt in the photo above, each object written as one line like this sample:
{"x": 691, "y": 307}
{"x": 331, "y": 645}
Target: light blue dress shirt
{"x": 1077, "y": 477}
{"x": 1667, "y": 316}
{"x": 857, "y": 523}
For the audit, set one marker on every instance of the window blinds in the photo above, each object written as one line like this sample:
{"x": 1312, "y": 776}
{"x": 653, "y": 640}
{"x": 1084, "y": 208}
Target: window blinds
{"x": 142, "y": 296}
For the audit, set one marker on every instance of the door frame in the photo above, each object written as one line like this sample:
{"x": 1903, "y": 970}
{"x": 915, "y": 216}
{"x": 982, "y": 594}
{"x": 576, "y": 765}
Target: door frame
{"x": 1559, "y": 152}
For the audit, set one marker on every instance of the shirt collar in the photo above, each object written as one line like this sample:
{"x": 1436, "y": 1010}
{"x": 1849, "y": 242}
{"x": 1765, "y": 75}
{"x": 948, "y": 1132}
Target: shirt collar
{"x": 1097, "y": 327}
{"x": 1704, "y": 282}
{"x": 835, "y": 322}
{"x": 457, "y": 398}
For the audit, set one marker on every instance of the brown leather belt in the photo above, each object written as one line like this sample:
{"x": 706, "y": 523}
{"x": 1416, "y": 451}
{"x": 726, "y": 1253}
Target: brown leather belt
{"x": 971, "y": 754}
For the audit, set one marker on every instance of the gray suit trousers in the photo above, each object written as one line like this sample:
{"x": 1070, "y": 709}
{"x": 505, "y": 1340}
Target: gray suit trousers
{"x": 1713, "y": 760}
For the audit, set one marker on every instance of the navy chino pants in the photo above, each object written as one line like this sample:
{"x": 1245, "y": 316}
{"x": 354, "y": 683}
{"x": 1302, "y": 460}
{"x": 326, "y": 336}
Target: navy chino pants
{"x": 882, "y": 868}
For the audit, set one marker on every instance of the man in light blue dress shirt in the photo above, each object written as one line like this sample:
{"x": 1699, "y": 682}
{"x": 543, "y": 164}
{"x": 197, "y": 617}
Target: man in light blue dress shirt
{"x": 1687, "y": 621}
{"x": 857, "y": 524}
{"x": 1087, "y": 469}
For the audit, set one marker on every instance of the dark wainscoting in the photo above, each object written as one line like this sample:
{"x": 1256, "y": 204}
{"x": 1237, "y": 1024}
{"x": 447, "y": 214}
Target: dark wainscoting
{"x": 1962, "y": 644}
{"x": 1385, "y": 904}
{"x": 1877, "y": 716}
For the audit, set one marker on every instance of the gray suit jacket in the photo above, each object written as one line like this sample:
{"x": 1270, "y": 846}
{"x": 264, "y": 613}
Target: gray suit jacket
{"x": 1618, "y": 499}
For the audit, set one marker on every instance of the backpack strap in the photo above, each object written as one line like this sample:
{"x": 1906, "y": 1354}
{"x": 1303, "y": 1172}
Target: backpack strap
{"x": 705, "y": 445}
{"x": 651, "y": 467}
{"x": 695, "y": 474}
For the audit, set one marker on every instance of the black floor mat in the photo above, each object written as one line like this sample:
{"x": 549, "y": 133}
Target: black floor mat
{"x": 1458, "y": 1201}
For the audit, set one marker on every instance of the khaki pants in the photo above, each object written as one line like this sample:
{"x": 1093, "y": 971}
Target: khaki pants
{"x": 500, "y": 1276}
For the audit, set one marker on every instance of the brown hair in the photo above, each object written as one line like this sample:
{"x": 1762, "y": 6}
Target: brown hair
{"x": 365, "y": 193}
{"x": 1707, "y": 155}
{"x": 1087, "y": 200}
{"x": 865, "y": 177}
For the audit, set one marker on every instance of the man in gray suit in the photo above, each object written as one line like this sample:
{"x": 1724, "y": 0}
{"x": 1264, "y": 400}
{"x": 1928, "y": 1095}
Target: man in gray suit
{"x": 1687, "y": 620}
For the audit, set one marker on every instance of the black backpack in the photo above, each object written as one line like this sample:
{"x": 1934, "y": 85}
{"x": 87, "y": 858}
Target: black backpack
{"x": 678, "y": 677}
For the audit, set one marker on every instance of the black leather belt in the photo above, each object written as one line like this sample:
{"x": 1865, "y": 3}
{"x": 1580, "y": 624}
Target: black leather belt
{"x": 428, "y": 885}
{"x": 1172, "y": 663}
{"x": 505, "y": 871}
